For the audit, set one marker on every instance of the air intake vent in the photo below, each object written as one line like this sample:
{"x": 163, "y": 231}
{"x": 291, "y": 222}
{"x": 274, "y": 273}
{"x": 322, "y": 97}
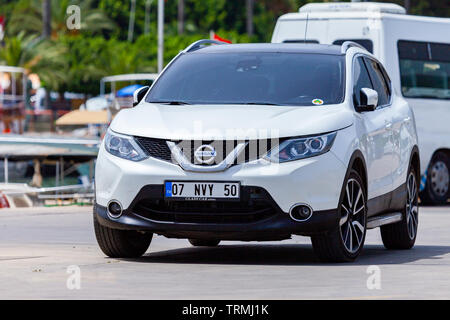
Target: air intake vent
{"x": 255, "y": 205}
{"x": 156, "y": 148}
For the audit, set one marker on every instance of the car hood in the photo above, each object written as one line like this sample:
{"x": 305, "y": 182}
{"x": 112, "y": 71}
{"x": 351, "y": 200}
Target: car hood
{"x": 204, "y": 122}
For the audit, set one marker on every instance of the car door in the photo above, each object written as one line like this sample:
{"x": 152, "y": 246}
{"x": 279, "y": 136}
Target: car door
{"x": 377, "y": 138}
{"x": 402, "y": 126}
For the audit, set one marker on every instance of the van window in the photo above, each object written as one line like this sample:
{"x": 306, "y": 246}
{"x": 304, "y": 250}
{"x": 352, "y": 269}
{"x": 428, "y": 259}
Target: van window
{"x": 440, "y": 52}
{"x": 424, "y": 69}
{"x": 366, "y": 43}
{"x": 362, "y": 79}
{"x": 413, "y": 50}
{"x": 379, "y": 83}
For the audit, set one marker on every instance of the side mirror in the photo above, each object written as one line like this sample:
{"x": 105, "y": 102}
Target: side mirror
{"x": 139, "y": 94}
{"x": 368, "y": 100}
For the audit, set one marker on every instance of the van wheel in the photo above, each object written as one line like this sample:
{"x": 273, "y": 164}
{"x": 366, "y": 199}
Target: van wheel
{"x": 121, "y": 243}
{"x": 344, "y": 244}
{"x": 402, "y": 235}
{"x": 438, "y": 178}
{"x": 204, "y": 243}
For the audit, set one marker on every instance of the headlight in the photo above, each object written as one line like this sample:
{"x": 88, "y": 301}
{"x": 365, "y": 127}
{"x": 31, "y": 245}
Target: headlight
{"x": 123, "y": 146}
{"x": 301, "y": 148}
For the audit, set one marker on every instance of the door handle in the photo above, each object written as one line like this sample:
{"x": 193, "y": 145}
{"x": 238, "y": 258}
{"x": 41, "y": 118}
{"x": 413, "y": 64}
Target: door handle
{"x": 407, "y": 119}
{"x": 389, "y": 125}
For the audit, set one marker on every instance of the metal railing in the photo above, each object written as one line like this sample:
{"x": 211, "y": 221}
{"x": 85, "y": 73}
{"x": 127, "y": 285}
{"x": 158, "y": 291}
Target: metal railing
{"x": 33, "y": 190}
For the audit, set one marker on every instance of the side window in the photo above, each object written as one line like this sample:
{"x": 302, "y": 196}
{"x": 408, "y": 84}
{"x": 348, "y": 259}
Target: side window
{"x": 424, "y": 69}
{"x": 366, "y": 43}
{"x": 378, "y": 81}
{"x": 361, "y": 79}
{"x": 387, "y": 79}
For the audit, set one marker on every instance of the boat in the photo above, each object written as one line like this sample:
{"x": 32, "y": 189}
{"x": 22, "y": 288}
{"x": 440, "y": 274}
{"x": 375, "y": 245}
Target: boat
{"x": 64, "y": 154}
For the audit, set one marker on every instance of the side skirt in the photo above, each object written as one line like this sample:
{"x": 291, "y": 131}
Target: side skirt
{"x": 384, "y": 219}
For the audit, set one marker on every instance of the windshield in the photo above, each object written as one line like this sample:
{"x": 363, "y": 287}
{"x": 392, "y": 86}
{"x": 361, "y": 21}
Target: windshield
{"x": 252, "y": 78}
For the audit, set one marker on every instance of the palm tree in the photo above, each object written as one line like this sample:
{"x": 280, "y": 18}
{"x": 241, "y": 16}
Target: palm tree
{"x": 119, "y": 58}
{"x": 93, "y": 21}
{"x": 46, "y": 18}
{"x": 43, "y": 57}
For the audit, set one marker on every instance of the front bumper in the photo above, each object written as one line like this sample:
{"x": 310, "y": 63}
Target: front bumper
{"x": 315, "y": 181}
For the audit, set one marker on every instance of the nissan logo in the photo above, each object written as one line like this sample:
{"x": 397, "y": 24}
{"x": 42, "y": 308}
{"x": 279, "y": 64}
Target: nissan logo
{"x": 205, "y": 154}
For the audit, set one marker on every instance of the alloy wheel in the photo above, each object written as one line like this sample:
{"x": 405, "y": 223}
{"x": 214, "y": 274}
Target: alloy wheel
{"x": 353, "y": 216}
{"x": 412, "y": 212}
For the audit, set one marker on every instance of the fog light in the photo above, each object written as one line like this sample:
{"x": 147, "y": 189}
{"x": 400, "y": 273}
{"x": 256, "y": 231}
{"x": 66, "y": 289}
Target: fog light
{"x": 114, "y": 209}
{"x": 300, "y": 212}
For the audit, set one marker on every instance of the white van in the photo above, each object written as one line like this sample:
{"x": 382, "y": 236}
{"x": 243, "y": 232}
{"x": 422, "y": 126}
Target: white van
{"x": 416, "y": 52}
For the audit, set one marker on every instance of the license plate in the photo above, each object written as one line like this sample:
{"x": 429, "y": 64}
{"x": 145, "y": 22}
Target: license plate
{"x": 201, "y": 191}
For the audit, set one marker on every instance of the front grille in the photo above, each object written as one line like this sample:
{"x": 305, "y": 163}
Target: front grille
{"x": 255, "y": 149}
{"x": 156, "y": 148}
{"x": 255, "y": 205}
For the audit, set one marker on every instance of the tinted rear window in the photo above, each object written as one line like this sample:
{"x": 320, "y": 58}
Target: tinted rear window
{"x": 252, "y": 78}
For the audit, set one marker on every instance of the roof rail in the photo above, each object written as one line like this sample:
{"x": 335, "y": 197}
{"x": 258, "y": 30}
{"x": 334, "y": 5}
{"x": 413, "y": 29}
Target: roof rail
{"x": 349, "y": 44}
{"x": 199, "y": 44}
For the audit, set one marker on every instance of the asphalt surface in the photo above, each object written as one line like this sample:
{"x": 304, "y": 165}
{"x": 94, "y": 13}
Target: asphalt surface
{"x": 37, "y": 246}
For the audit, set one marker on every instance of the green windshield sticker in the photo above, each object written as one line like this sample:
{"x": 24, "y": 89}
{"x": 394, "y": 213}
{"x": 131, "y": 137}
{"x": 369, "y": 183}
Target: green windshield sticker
{"x": 317, "y": 101}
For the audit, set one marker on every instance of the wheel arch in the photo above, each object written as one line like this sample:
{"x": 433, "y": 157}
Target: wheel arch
{"x": 443, "y": 150}
{"x": 358, "y": 164}
{"x": 414, "y": 161}
{"x": 427, "y": 157}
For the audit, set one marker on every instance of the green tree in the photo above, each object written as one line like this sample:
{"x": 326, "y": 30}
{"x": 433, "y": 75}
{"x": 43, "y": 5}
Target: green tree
{"x": 202, "y": 16}
{"x": 45, "y": 58}
{"x": 432, "y": 8}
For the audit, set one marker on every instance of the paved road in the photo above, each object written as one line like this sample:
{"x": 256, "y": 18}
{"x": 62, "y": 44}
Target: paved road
{"x": 37, "y": 246}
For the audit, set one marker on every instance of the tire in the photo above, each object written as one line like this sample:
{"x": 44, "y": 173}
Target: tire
{"x": 204, "y": 243}
{"x": 121, "y": 243}
{"x": 438, "y": 177}
{"x": 346, "y": 241}
{"x": 402, "y": 235}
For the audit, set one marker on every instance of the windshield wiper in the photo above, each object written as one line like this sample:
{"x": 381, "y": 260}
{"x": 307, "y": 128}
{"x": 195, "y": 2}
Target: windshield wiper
{"x": 172, "y": 103}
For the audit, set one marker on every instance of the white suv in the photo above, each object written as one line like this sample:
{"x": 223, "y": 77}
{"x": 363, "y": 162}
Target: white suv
{"x": 261, "y": 142}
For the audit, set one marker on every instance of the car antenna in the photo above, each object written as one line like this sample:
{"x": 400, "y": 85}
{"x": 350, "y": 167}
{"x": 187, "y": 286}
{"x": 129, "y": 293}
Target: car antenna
{"x": 306, "y": 26}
